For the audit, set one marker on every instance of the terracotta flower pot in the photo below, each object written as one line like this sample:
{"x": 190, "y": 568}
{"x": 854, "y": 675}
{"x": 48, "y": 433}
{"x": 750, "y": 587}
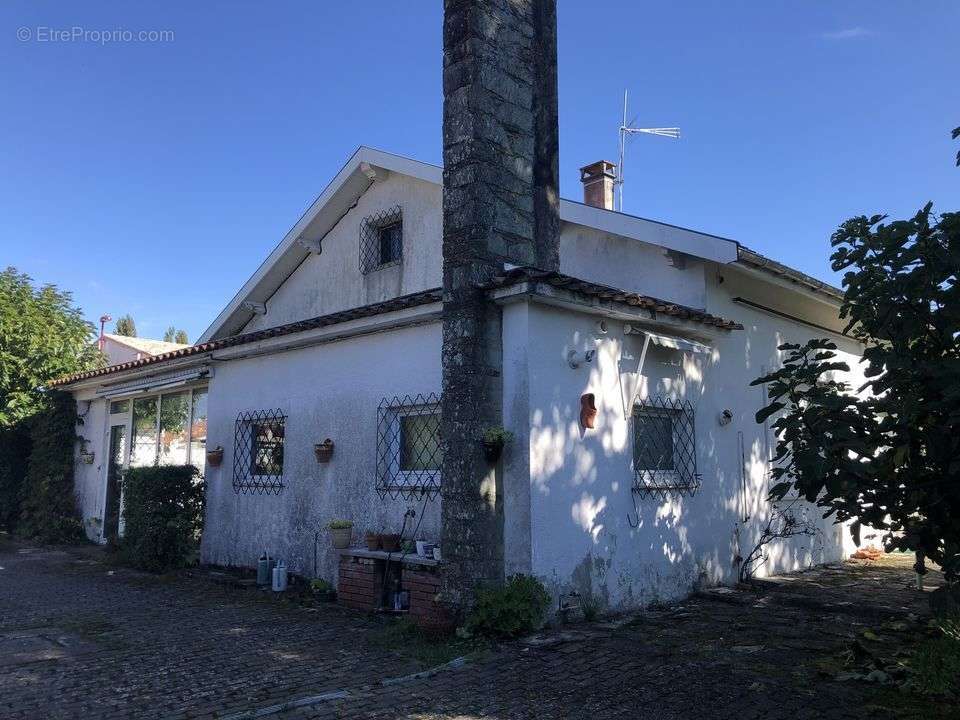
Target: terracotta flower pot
{"x": 391, "y": 542}
{"x": 341, "y": 537}
{"x": 373, "y": 540}
{"x": 215, "y": 456}
{"x": 323, "y": 451}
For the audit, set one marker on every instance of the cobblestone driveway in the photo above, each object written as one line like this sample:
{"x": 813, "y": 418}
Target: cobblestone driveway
{"x": 80, "y": 638}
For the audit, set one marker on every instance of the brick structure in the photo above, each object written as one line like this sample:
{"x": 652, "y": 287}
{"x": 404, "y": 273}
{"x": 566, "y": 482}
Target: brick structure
{"x": 500, "y": 205}
{"x": 360, "y": 586}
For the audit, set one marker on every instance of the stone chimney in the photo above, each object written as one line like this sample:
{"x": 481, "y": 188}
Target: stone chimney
{"x": 500, "y": 205}
{"x": 599, "y": 180}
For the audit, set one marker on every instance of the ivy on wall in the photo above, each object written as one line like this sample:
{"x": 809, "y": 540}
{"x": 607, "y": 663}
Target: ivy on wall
{"x": 48, "y": 510}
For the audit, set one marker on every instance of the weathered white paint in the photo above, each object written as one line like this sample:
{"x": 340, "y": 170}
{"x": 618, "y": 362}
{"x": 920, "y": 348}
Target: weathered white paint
{"x": 89, "y": 480}
{"x": 332, "y": 281}
{"x": 331, "y": 391}
{"x": 566, "y": 490}
{"x": 578, "y": 491}
{"x": 368, "y": 168}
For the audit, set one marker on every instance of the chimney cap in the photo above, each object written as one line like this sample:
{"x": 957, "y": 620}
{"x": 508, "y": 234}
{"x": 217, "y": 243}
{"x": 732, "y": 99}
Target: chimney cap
{"x": 596, "y": 170}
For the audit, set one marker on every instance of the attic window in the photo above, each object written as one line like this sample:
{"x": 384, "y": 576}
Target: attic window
{"x": 381, "y": 239}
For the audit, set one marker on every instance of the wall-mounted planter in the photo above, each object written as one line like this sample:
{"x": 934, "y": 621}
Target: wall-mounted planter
{"x": 492, "y": 449}
{"x": 215, "y": 456}
{"x": 341, "y": 536}
{"x": 86, "y": 458}
{"x": 323, "y": 451}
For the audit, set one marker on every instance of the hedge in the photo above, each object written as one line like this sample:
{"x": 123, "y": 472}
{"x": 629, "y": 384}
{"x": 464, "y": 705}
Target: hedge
{"x": 48, "y": 508}
{"x": 162, "y": 516}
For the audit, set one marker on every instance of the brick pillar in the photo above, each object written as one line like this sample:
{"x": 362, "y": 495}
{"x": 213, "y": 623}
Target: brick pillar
{"x": 500, "y": 204}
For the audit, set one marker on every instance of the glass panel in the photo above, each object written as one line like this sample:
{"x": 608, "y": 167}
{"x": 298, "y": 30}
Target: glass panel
{"x": 119, "y": 406}
{"x": 118, "y": 446}
{"x": 143, "y": 451}
{"x": 391, "y": 242}
{"x": 198, "y": 431}
{"x": 174, "y": 415}
{"x": 654, "y": 442}
{"x": 267, "y": 456}
{"x": 420, "y": 442}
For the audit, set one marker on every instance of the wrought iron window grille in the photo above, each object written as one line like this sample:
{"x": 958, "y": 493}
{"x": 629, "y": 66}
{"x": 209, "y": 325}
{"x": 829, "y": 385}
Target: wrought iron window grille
{"x": 258, "y": 452}
{"x": 409, "y": 455}
{"x": 664, "y": 448}
{"x": 381, "y": 239}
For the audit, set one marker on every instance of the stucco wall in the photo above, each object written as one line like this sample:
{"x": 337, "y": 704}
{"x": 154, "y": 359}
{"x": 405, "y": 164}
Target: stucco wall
{"x": 579, "y": 491}
{"x": 630, "y": 264}
{"x": 332, "y": 281}
{"x": 89, "y": 479}
{"x": 330, "y": 390}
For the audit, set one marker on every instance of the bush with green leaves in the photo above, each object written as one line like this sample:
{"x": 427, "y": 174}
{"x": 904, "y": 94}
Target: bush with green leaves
{"x": 163, "y": 517}
{"x": 48, "y": 509}
{"x": 516, "y": 608}
{"x": 886, "y": 454}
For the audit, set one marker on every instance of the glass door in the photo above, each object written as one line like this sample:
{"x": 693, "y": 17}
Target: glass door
{"x": 115, "y": 465}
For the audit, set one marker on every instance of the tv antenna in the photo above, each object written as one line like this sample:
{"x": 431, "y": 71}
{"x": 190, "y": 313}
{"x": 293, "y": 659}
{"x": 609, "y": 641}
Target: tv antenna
{"x": 626, "y": 130}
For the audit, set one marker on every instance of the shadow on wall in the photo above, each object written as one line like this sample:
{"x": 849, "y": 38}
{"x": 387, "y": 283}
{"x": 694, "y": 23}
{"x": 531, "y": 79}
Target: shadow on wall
{"x": 593, "y": 534}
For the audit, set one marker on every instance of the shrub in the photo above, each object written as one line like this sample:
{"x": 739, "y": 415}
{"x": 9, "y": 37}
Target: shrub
{"x": 14, "y": 457}
{"x": 515, "y": 609}
{"x": 163, "y": 516}
{"x": 48, "y": 508}
{"x": 340, "y": 524}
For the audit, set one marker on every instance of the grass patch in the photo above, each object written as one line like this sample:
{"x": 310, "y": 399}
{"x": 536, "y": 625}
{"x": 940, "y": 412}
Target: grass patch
{"x": 429, "y": 649}
{"x": 935, "y": 667}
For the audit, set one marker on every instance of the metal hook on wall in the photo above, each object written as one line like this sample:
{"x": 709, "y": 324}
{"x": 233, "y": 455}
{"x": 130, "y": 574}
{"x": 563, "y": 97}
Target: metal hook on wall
{"x": 636, "y": 511}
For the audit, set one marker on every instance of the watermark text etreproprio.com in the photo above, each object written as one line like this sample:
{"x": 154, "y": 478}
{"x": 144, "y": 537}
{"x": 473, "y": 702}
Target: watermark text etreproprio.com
{"x": 97, "y": 36}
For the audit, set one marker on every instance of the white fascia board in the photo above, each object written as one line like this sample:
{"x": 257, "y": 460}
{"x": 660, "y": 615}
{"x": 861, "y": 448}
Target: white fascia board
{"x": 691, "y": 242}
{"x": 326, "y": 211}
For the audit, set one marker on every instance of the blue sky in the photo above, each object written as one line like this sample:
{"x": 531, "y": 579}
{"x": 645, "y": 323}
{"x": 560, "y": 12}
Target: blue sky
{"x": 153, "y": 177}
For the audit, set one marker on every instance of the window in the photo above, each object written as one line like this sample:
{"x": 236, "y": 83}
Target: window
{"x": 119, "y": 406}
{"x": 381, "y": 239}
{"x": 258, "y": 452}
{"x": 409, "y": 454}
{"x": 168, "y": 429}
{"x": 198, "y": 430}
{"x": 664, "y": 448}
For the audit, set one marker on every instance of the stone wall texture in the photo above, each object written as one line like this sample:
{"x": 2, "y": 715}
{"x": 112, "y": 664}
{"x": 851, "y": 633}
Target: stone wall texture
{"x": 500, "y": 204}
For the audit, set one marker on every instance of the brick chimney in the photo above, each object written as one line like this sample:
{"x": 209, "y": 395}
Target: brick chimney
{"x": 598, "y": 184}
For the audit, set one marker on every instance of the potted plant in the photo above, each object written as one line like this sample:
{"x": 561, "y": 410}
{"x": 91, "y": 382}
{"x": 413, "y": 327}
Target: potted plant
{"x": 391, "y": 542}
{"x": 322, "y": 590}
{"x": 373, "y": 540}
{"x": 493, "y": 441}
{"x": 215, "y": 456}
{"x": 323, "y": 451}
{"x": 341, "y": 532}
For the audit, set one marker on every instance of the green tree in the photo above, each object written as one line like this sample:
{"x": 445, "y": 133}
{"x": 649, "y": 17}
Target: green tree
{"x": 890, "y": 456}
{"x": 42, "y": 336}
{"x": 125, "y": 326}
{"x": 173, "y": 335}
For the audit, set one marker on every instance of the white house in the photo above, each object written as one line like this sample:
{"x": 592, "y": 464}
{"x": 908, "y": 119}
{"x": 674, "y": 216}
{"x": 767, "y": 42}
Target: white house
{"x": 338, "y": 335}
{"x": 120, "y": 349}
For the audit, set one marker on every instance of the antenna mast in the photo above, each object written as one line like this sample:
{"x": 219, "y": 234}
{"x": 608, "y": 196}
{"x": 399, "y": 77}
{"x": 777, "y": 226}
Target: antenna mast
{"x": 625, "y": 130}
